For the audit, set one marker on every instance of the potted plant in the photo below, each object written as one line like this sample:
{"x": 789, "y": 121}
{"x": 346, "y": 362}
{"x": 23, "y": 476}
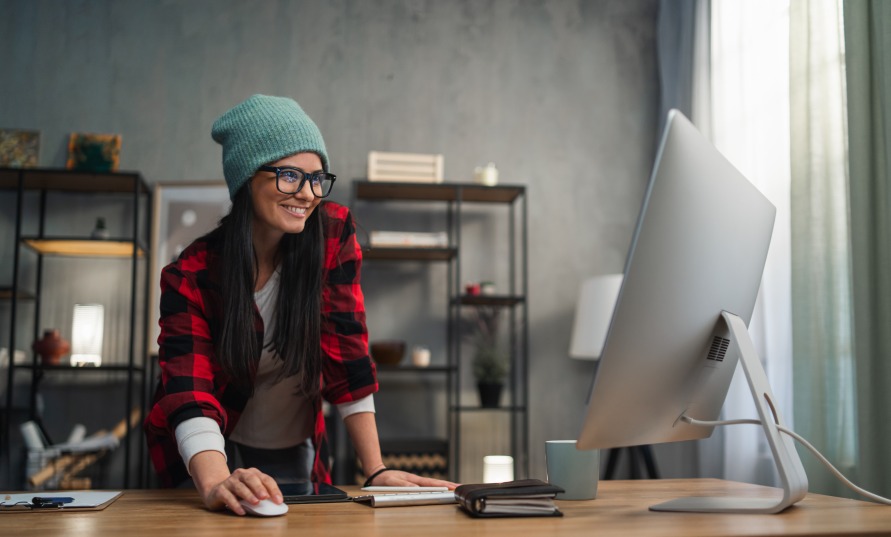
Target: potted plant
{"x": 490, "y": 360}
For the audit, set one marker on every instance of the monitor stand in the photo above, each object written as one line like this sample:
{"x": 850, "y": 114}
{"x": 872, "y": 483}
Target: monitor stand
{"x": 791, "y": 472}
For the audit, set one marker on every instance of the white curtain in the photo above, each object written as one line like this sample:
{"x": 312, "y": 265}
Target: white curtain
{"x": 771, "y": 95}
{"x": 745, "y": 110}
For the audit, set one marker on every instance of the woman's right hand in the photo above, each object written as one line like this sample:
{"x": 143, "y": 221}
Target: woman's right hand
{"x": 248, "y": 484}
{"x": 218, "y": 488}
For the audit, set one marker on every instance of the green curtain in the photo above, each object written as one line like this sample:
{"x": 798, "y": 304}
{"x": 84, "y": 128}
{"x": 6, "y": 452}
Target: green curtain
{"x": 867, "y": 26}
{"x": 823, "y": 363}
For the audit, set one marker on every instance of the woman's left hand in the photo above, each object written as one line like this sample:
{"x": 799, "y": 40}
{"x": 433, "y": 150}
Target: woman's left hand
{"x": 398, "y": 478}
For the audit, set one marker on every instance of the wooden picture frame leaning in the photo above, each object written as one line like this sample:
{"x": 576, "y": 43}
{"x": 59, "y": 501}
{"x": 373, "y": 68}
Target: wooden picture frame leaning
{"x": 182, "y": 211}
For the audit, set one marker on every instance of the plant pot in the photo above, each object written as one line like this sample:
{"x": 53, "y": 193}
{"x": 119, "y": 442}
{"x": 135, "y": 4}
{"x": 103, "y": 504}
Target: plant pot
{"x": 490, "y": 394}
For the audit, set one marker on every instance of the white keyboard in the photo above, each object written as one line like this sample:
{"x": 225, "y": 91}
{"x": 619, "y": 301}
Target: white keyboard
{"x": 406, "y": 498}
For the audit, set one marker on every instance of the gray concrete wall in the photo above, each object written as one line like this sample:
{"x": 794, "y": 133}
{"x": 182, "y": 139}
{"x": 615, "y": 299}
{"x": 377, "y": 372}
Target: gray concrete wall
{"x": 561, "y": 95}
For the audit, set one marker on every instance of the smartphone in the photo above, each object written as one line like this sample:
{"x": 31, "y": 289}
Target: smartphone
{"x": 307, "y": 492}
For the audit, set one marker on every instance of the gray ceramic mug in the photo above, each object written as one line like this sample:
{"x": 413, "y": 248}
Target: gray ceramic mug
{"x": 576, "y": 472}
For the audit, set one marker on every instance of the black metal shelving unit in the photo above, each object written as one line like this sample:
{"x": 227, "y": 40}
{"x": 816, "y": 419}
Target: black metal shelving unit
{"x": 455, "y": 196}
{"x": 46, "y": 182}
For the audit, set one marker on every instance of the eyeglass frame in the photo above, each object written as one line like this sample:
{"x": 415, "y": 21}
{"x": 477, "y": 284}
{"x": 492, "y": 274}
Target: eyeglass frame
{"x": 306, "y": 176}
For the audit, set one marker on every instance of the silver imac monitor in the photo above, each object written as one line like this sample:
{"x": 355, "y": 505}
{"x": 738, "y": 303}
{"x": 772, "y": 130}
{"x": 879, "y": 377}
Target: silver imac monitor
{"x": 679, "y": 327}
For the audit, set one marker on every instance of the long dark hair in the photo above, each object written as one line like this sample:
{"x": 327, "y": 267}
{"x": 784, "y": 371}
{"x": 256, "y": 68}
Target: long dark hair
{"x": 297, "y": 323}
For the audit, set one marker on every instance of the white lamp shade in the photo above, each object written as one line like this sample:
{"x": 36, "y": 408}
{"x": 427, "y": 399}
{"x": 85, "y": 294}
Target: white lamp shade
{"x": 86, "y": 334}
{"x": 593, "y": 314}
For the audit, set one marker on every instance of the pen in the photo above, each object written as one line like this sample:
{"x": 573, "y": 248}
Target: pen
{"x": 50, "y": 501}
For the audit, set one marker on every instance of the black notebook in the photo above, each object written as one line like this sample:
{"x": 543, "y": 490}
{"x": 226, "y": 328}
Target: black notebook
{"x": 527, "y": 497}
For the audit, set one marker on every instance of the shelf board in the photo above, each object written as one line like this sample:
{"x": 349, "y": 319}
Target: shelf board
{"x": 413, "y": 369}
{"x": 508, "y": 408}
{"x": 72, "y": 180}
{"x": 490, "y": 300}
{"x": 92, "y": 368}
{"x": 84, "y": 247}
{"x": 470, "y": 192}
{"x": 422, "y": 444}
{"x": 410, "y": 254}
{"x": 6, "y": 294}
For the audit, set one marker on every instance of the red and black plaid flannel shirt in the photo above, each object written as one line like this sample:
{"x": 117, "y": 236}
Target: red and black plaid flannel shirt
{"x": 192, "y": 383}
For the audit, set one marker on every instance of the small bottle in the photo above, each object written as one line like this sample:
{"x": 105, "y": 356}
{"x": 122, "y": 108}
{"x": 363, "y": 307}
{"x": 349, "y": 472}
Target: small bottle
{"x": 100, "y": 231}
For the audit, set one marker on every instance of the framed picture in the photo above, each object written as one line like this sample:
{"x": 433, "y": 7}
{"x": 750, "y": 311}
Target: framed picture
{"x": 182, "y": 212}
{"x": 19, "y": 149}
{"x": 93, "y": 152}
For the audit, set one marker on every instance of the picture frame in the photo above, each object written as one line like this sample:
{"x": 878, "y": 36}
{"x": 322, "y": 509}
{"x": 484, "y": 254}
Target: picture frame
{"x": 19, "y": 148}
{"x": 93, "y": 152}
{"x": 181, "y": 212}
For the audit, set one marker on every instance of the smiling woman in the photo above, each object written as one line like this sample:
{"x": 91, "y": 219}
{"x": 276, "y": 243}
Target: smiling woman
{"x": 262, "y": 318}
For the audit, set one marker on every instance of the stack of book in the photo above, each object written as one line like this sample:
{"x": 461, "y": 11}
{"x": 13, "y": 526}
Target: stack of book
{"x": 527, "y": 497}
{"x": 415, "y": 239}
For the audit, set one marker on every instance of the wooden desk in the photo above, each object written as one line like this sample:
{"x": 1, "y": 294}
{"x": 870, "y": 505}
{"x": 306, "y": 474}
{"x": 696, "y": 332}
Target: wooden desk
{"x": 620, "y": 509}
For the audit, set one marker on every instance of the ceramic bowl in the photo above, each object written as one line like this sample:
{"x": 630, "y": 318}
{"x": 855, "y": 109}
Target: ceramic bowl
{"x": 388, "y": 352}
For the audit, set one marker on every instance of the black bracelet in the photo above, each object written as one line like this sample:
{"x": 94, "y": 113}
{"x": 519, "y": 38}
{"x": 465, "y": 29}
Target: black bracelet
{"x": 372, "y": 476}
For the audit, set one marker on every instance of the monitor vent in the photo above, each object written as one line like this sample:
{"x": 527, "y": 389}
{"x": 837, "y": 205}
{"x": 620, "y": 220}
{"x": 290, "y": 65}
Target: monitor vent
{"x": 718, "y": 349}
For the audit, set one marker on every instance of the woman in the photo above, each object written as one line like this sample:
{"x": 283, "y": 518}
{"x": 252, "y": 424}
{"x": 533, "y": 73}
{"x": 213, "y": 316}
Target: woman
{"x": 263, "y": 317}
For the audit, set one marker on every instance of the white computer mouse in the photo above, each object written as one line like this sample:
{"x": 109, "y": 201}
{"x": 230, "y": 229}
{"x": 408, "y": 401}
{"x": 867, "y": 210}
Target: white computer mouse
{"x": 264, "y": 508}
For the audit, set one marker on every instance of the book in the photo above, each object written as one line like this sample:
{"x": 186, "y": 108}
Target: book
{"x": 415, "y": 239}
{"x": 526, "y": 497}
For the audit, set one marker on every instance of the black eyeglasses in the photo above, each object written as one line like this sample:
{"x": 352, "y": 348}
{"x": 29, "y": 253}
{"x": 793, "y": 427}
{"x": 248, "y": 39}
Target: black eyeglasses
{"x": 290, "y": 180}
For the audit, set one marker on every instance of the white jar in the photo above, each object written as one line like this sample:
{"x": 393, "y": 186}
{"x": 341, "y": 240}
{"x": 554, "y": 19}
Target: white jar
{"x": 486, "y": 175}
{"x": 420, "y": 356}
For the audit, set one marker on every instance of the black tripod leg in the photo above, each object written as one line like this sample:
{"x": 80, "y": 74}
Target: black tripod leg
{"x": 612, "y": 459}
{"x": 649, "y": 461}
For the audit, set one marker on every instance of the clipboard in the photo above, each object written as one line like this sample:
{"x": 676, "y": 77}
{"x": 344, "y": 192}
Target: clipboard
{"x": 66, "y": 500}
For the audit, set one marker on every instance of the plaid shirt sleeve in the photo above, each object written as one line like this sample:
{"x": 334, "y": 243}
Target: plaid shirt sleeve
{"x": 186, "y": 350}
{"x": 348, "y": 374}
{"x": 187, "y": 387}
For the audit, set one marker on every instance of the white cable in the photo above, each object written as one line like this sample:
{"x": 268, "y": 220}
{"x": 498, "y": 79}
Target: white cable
{"x": 805, "y": 443}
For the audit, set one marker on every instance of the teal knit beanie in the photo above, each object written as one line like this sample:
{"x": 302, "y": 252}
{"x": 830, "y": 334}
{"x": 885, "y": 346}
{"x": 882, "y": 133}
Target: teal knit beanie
{"x": 260, "y": 130}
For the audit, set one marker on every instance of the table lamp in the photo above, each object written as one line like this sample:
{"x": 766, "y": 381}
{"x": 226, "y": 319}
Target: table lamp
{"x": 86, "y": 334}
{"x": 593, "y": 313}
